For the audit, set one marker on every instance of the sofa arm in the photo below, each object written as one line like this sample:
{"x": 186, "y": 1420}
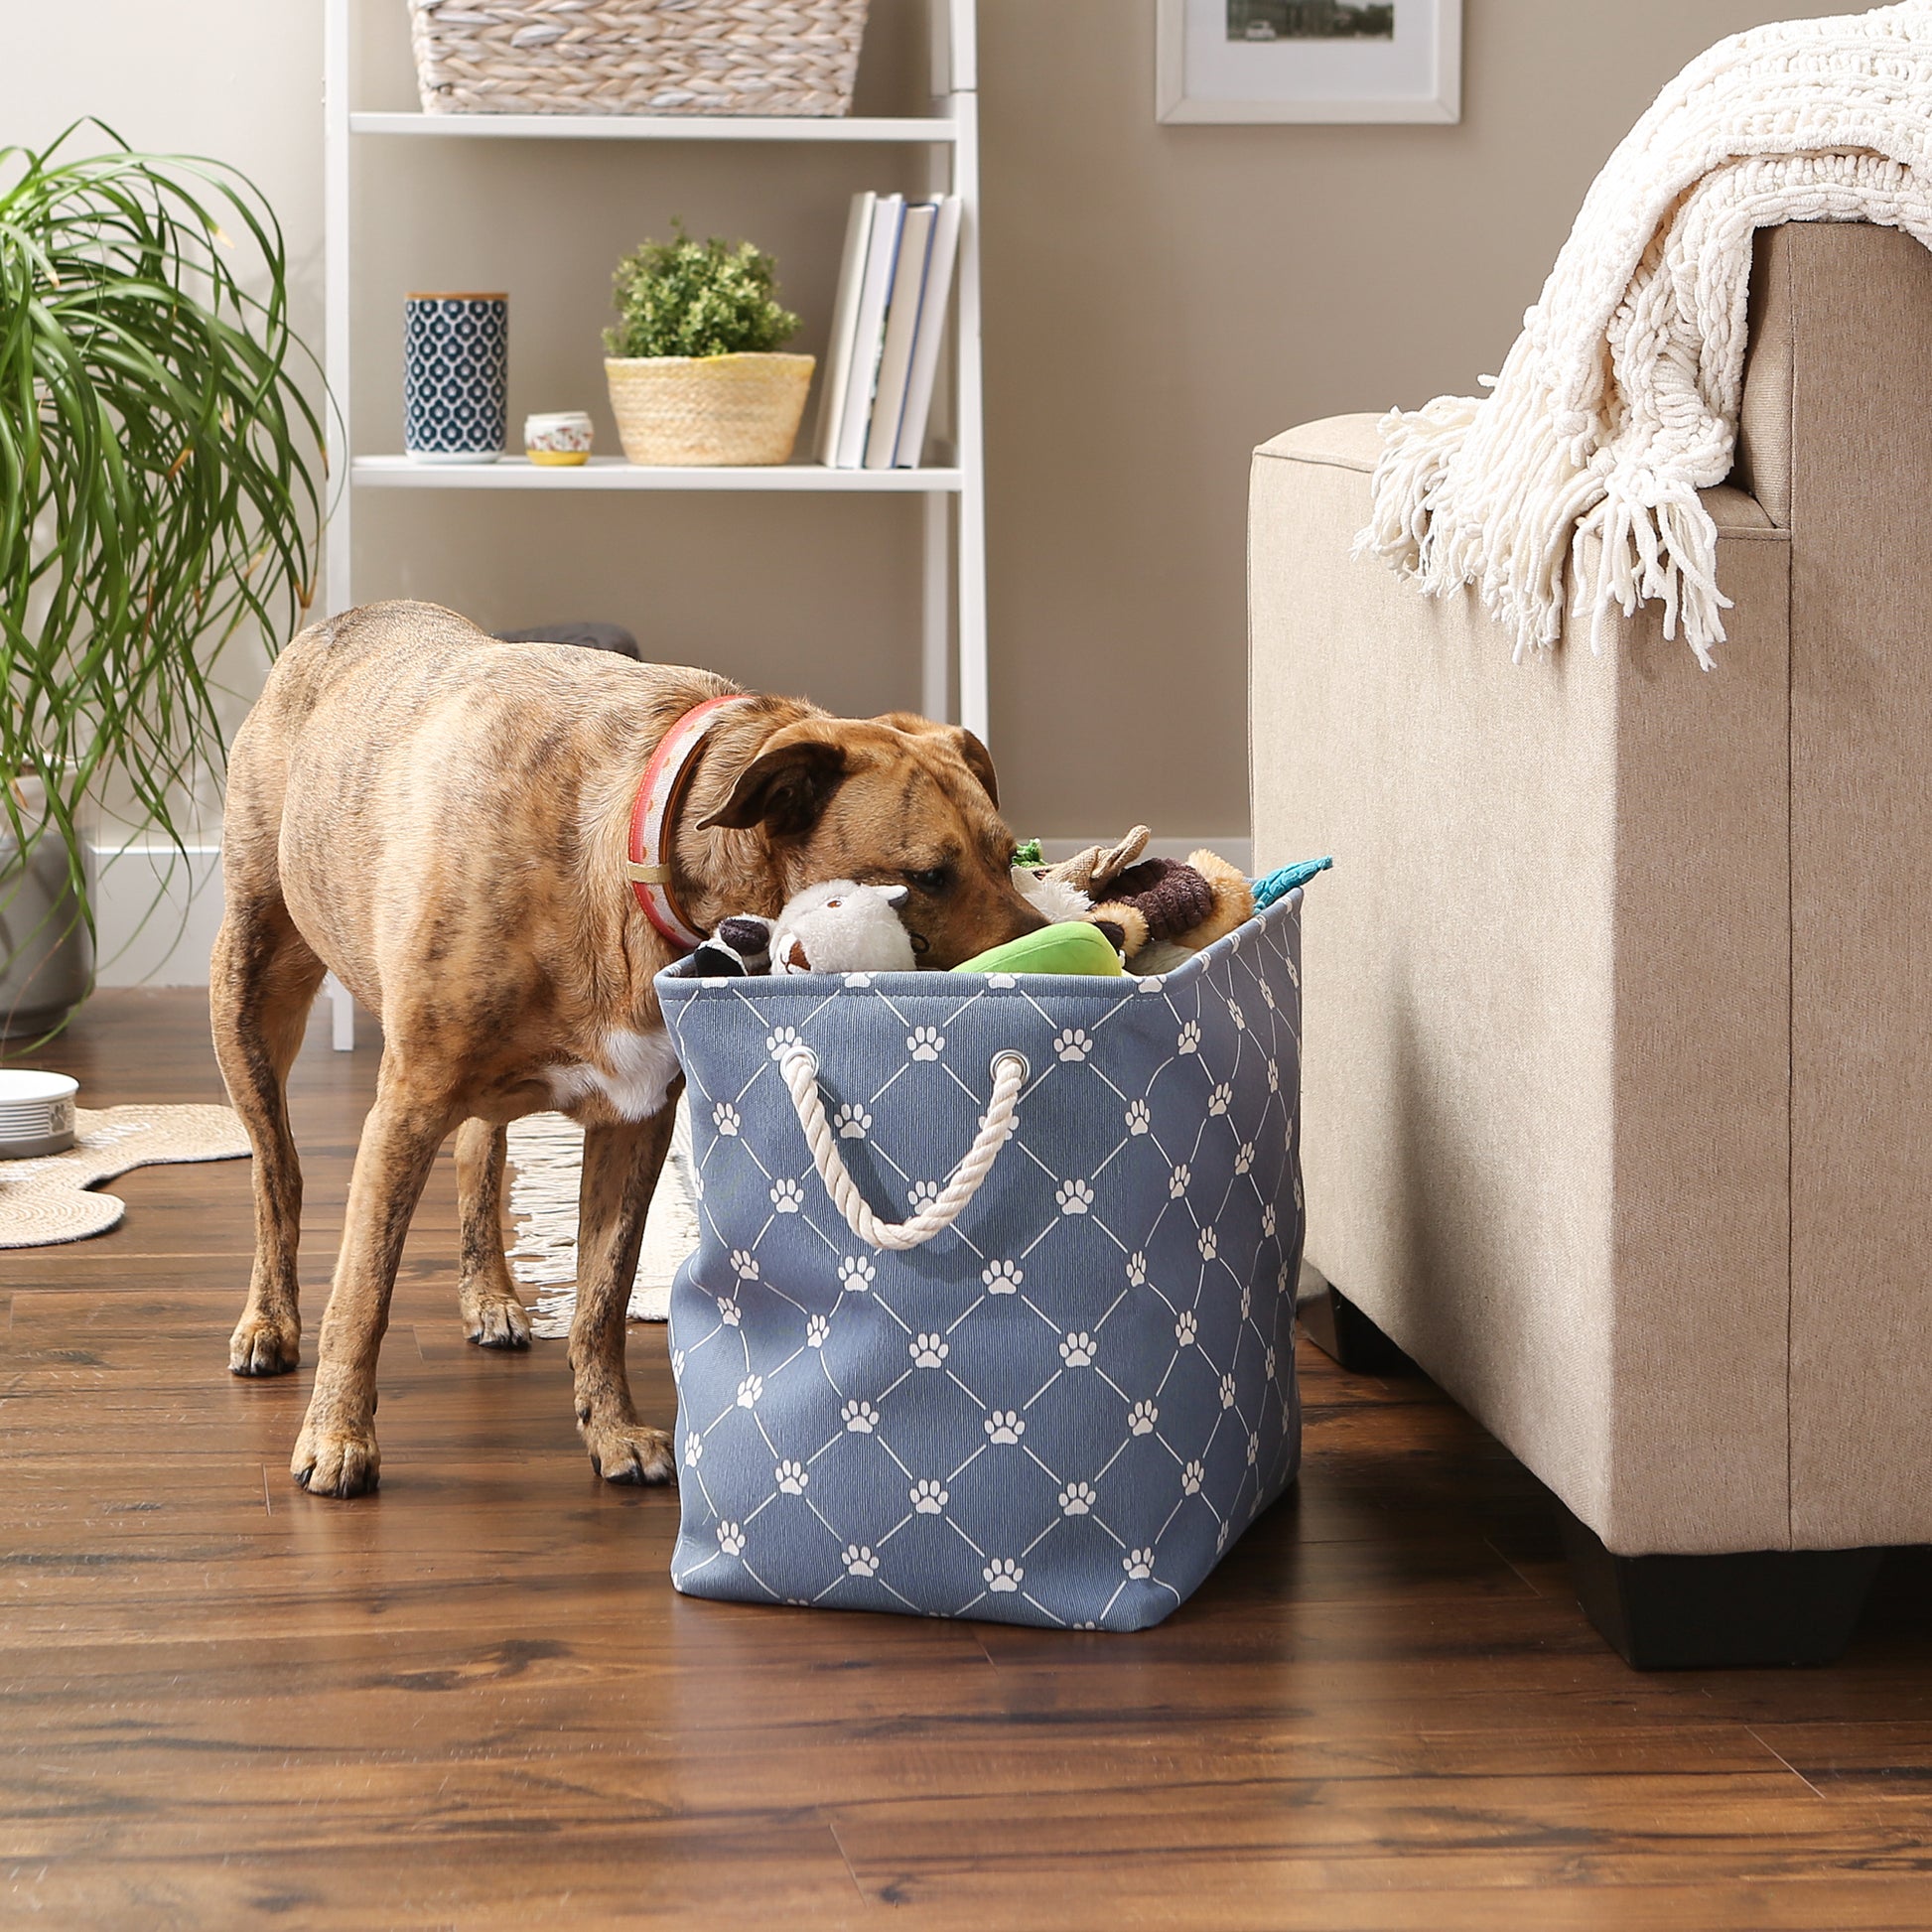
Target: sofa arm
{"x": 1545, "y": 1064}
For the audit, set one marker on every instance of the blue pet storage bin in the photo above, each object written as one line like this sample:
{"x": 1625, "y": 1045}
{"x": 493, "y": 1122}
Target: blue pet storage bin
{"x": 1062, "y": 1408}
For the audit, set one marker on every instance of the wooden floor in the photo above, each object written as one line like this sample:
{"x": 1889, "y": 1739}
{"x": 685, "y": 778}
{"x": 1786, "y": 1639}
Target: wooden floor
{"x": 473, "y": 1700}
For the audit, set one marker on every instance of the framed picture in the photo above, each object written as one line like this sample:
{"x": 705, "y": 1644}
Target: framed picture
{"x": 1308, "y": 60}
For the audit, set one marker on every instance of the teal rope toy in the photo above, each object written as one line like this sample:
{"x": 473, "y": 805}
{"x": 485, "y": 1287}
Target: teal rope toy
{"x": 1284, "y": 880}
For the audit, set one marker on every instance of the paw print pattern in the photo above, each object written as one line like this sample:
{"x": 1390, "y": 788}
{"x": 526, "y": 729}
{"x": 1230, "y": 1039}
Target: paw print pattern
{"x": 731, "y": 1539}
{"x": 677, "y": 1365}
{"x": 1239, "y": 1018}
{"x": 857, "y": 979}
{"x": 856, "y": 1274}
{"x": 1208, "y": 1243}
{"x": 778, "y": 1039}
{"x": 1136, "y": 1270}
{"x": 1268, "y": 1362}
{"x": 1142, "y": 1418}
{"x": 925, "y": 1042}
{"x": 1076, "y": 1350}
{"x": 1138, "y": 1120}
{"x": 1217, "y": 1101}
{"x": 1177, "y": 1181}
{"x": 1254, "y": 1447}
{"x": 1003, "y": 1574}
{"x": 728, "y": 1312}
{"x": 929, "y": 1499}
{"x": 1273, "y": 1076}
{"x": 1004, "y": 1426}
{"x": 1191, "y": 1478}
{"x": 927, "y": 1351}
{"x": 724, "y": 1117}
{"x": 787, "y": 1198}
{"x": 861, "y": 1418}
{"x": 790, "y": 1479}
{"x": 1185, "y": 1328}
{"x": 852, "y": 1121}
{"x": 1077, "y": 1499}
{"x": 693, "y": 1450}
{"x": 1003, "y": 1276}
{"x": 922, "y": 1195}
{"x": 1071, "y": 1044}
{"x": 1268, "y": 996}
{"x": 1227, "y": 1392}
{"x": 1139, "y": 1564}
{"x": 744, "y": 1264}
{"x": 750, "y": 1390}
{"x": 1003, "y": 982}
{"x": 1074, "y": 1197}
{"x": 1244, "y": 1157}
{"x": 1190, "y": 1041}
{"x": 1220, "y": 1539}
{"x": 816, "y": 1330}
{"x": 1268, "y": 1220}
{"x": 1247, "y": 1299}
{"x": 859, "y": 1561}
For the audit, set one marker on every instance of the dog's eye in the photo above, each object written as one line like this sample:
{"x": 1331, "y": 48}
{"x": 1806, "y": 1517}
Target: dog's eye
{"x": 932, "y": 880}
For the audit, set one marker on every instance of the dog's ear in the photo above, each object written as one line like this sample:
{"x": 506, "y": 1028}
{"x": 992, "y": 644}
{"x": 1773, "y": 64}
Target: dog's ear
{"x": 785, "y": 789}
{"x": 976, "y": 758}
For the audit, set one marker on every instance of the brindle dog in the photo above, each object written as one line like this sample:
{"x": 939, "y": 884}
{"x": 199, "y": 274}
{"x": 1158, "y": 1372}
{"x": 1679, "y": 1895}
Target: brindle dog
{"x": 444, "y": 821}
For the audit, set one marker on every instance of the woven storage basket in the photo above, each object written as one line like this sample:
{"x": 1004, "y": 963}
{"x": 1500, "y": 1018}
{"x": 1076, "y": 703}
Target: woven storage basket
{"x": 636, "y": 56}
{"x": 711, "y": 409}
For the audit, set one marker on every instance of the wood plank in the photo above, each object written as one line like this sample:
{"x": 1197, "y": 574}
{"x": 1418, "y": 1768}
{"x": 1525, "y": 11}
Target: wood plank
{"x": 473, "y": 1698}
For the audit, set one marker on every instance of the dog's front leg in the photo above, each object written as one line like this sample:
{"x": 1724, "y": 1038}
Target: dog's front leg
{"x": 620, "y": 1168}
{"x": 335, "y": 1453}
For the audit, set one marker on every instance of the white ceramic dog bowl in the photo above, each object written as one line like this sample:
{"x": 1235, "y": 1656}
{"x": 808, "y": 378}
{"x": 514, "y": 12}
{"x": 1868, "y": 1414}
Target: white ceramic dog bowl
{"x": 36, "y": 1114}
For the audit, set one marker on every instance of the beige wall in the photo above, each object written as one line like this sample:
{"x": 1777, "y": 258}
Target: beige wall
{"x": 1159, "y": 299}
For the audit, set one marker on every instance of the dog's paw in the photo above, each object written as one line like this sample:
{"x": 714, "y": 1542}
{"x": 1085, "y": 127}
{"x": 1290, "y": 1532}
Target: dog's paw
{"x": 629, "y": 1451}
{"x": 264, "y": 1344}
{"x": 335, "y": 1462}
{"x": 495, "y": 1321}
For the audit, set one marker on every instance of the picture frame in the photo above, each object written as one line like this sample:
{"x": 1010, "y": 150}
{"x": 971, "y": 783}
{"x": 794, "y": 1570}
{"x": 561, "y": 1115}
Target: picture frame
{"x": 1308, "y": 60}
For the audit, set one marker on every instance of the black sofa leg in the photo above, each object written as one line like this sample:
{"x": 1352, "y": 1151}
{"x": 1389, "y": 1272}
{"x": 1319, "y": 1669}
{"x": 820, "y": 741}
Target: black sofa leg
{"x": 1342, "y": 1331}
{"x": 1758, "y": 1607}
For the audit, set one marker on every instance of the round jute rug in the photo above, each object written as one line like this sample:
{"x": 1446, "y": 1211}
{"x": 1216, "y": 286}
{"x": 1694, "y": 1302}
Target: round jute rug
{"x": 47, "y": 1199}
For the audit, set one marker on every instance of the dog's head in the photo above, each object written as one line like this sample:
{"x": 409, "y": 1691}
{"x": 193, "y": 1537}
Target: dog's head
{"x": 892, "y": 800}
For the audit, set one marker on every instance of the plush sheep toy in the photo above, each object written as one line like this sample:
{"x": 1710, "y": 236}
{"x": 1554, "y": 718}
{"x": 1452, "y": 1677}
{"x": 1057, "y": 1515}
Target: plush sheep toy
{"x": 843, "y": 927}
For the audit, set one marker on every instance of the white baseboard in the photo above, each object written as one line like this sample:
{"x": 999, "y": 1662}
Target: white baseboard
{"x": 157, "y": 912}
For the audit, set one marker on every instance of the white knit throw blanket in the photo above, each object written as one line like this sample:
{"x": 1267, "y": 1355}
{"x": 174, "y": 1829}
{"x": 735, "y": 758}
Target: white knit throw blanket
{"x": 1619, "y": 401}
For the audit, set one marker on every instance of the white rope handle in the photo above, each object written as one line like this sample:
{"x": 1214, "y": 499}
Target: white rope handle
{"x": 799, "y": 1066}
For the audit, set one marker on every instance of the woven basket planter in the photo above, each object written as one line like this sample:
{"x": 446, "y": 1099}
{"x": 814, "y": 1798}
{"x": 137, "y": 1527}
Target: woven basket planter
{"x": 711, "y": 409}
{"x": 636, "y": 56}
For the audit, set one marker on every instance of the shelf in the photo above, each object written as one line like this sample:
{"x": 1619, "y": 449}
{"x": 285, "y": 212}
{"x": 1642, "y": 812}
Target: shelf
{"x": 657, "y": 127}
{"x": 614, "y": 472}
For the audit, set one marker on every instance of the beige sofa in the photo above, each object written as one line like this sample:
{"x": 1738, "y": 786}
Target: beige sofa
{"x": 1618, "y": 1056}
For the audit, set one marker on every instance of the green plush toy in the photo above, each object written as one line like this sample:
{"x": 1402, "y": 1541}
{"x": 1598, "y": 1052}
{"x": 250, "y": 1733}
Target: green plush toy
{"x": 1072, "y": 946}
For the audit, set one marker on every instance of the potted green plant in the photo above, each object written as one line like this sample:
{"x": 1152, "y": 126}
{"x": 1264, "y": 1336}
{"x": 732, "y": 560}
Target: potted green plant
{"x": 693, "y": 364}
{"x": 159, "y": 495}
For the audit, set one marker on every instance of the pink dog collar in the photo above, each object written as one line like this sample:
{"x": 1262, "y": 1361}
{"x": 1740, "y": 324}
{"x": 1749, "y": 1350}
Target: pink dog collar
{"x": 648, "y": 867}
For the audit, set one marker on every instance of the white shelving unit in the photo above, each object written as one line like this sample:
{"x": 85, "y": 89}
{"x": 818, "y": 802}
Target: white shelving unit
{"x": 953, "y": 604}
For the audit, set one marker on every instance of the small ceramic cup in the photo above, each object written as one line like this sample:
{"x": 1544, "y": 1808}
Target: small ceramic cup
{"x": 559, "y": 441}
{"x": 456, "y": 377}
{"x": 35, "y": 1113}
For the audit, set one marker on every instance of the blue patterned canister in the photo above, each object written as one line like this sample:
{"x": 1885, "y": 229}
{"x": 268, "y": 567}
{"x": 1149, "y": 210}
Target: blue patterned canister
{"x": 456, "y": 377}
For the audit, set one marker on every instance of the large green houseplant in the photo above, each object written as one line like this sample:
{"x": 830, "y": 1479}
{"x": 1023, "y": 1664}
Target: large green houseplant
{"x": 160, "y": 494}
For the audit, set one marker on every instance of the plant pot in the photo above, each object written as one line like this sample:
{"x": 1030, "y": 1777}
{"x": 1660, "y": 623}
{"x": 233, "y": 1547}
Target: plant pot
{"x": 708, "y": 409}
{"x": 46, "y": 954}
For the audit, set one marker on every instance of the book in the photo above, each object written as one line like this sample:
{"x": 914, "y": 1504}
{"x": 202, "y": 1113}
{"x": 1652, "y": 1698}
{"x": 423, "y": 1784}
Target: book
{"x": 945, "y": 252}
{"x": 845, "y": 315}
{"x": 902, "y": 323}
{"x": 868, "y": 332}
